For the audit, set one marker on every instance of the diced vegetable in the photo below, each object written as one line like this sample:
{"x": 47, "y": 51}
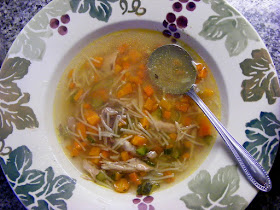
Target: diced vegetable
{"x": 204, "y": 127}
{"x": 175, "y": 115}
{"x": 123, "y": 48}
{"x": 171, "y": 179}
{"x": 167, "y": 115}
{"x": 186, "y": 156}
{"x": 118, "y": 68}
{"x": 149, "y": 90}
{"x": 145, "y": 123}
{"x": 94, "y": 151}
{"x": 86, "y": 106}
{"x": 78, "y": 94}
{"x": 182, "y": 106}
{"x": 134, "y": 178}
{"x": 138, "y": 140}
{"x": 173, "y": 136}
{"x": 72, "y": 85}
{"x": 125, "y": 90}
{"x": 157, "y": 114}
{"x": 187, "y": 144}
{"x": 125, "y": 155}
{"x": 158, "y": 149}
{"x": 81, "y": 129}
{"x": 186, "y": 120}
{"x": 149, "y": 104}
{"x": 121, "y": 185}
{"x": 92, "y": 117}
{"x": 101, "y": 176}
{"x": 116, "y": 176}
{"x": 105, "y": 154}
{"x": 97, "y": 62}
{"x": 147, "y": 188}
{"x": 135, "y": 56}
{"x": 142, "y": 150}
{"x": 175, "y": 153}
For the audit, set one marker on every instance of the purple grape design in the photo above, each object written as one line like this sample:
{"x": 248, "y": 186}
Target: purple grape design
{"x": 55, "y": 24}
{"x": 145, "y": 203}
{"x": 173, "y": 23}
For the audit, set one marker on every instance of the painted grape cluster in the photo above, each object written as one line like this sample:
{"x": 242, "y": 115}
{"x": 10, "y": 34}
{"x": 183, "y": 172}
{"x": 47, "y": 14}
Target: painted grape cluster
{"x": 145, "y": 203}
{"x": 172, "y": 23}
{"x": 54, "y": 24}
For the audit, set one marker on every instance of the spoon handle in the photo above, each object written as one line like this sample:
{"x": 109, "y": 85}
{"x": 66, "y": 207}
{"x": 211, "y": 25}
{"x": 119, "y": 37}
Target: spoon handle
{"x": 252, "y": 169}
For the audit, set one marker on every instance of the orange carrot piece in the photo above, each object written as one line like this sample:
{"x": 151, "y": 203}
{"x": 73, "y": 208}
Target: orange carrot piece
{"x": 94, "y": 151}
{"x": 145, "y": 123}
{"x": 86, "y": 106}
{"x": 92, "y": 117}
{"x": 78, "y": 94}
{"x": 134, "y": 178}
{"x": 118, "y": 176}
{"x": 173, "y": 136}
{"x": 158, "y": 149}
{"x": 187, "y": 144}
{"x": 125, "y": 156}
{"x": 181, "y": 106}
{"x": 171, "y": 179}
{"x": 135, "y": 56}
{"x": 186, "y": 156}
{"x": 204, "y": 127}
{"x": 121, "y": 185}
{"x": 125, "y": 90}
{"x": 149, "y": 90}
{"x": 135, "y": 79}
{"x": 138, "y": 140}
{"x": 105, "y": 154}
{"x": 81, "y": 130}
{"x": 123, "y": 48}
{"x": 97, "y": 62}
{"x": 149, "y": 104}
{"x": 72, "y": 85}
{"x": 166, "y": 115}
{"x": 118, "y": 68}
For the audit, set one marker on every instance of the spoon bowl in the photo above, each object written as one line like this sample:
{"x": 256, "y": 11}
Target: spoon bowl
{"x": 169, "y": 61}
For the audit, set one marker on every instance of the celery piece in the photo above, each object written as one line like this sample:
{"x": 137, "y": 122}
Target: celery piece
{"x": 142, "y": 150}
{"x": 101, "y": 176}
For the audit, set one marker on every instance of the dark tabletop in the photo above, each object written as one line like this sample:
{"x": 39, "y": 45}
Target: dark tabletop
{"x": 264, "y": 15}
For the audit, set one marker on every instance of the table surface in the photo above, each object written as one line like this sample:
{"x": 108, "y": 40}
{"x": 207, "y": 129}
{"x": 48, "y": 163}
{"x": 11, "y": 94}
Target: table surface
{"x": 264, "y": 15}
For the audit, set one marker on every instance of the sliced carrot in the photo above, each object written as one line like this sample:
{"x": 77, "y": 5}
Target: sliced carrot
{"x": 92, "y": 117}
{"x": 118, "y": 176}
{"x": 125, "y": 65}
{"x": 166, "y": 115}
{"x": 158, "y": 149}
{"x": 149, "y": 90}
{"x": 121, "y": 185}
{"x": 105, "y": 154}
{"x": 145, "y": 123}
{"x": 186, "y": 156}
{"x": 101, "y": 93}
{"x": 202, "y": 71}
{"x": 95, "y": 151}
{"x": 134, "y": 178}
{"x": 204, "y": 127}
{"x": 135, "y": 79}
{"x": 81, "y": 129}
{"x": 86, "y": 106}
{"x": 125, "y": 156}
{"x": 125, "y": 90}
{"x": 138, "y": 140}
{"x": 72, "y": 85}
{"x": 97, "y": 62}
{"x": 171, "y": 179}
{"x": 78, "y": 94}
{"x": 149, "y": 104}
{"x": 182, "y": 106}
{"x": 173, "y": 136}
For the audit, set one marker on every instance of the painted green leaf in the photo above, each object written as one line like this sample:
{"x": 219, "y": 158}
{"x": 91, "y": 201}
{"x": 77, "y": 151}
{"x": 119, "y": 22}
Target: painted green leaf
{"x": 263, "y": 138}
{"x": 99, "y": 9}
{"x": 216, "y": 193}
{"x": 262, "y": 78}
{"x": 228, "y": 23}
{"x": 12, "y": 111}
{"x": 36, "y": 189}
{"x": 31, "y": 41}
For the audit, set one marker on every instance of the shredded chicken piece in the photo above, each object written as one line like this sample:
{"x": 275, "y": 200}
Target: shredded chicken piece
{"x": 127, "y": 146}
{"x": 91, "y": 169}
{"x": 71, "y": 123}
{"x": 165, "y": 126}
{"x": 132, "y": 165}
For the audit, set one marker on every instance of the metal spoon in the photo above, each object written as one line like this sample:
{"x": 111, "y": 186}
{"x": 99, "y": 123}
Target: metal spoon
{"x": 180, "y": 79}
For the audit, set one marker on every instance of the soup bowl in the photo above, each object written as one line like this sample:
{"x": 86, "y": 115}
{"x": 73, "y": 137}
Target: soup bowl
{"x": 31, "y": 155}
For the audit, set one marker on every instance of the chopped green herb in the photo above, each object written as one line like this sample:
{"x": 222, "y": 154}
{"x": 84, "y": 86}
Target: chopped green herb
{"x": 147, "y": 188}
{"x": 142, "y": 151}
